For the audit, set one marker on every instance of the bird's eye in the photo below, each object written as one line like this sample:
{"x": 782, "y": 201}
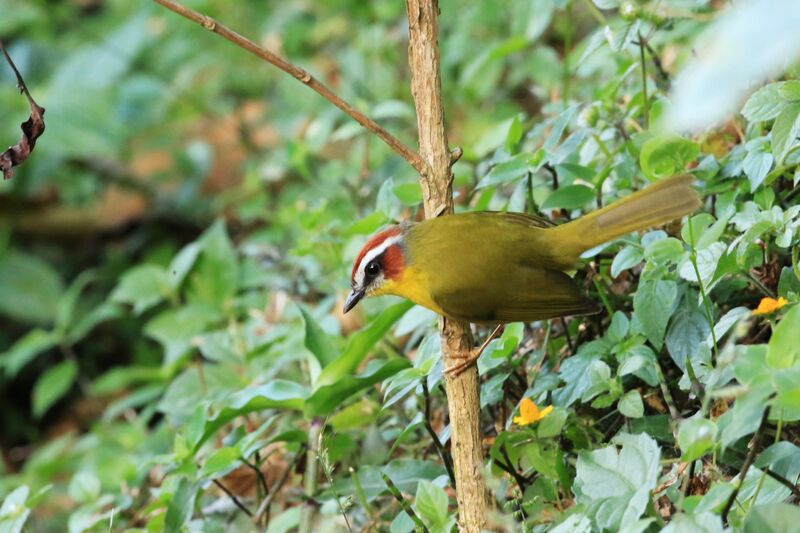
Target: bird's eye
{"x": 372, "y": 269}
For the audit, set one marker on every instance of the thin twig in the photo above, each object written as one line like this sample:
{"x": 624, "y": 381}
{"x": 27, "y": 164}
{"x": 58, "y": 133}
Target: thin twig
{"x": 673, "y": 411}
{"x": 301, "y": 75}
{"x": 277, "y": 486}
{"x": 446, "y": 459}
{"x": 403, "y": 503}
{"x": 644, "y": 83}
{"x": 748, "y": 461}
{"x": 233, "y": 497}
{"x": 508, "y": 467}
{"x": 259, "y": 474}
{"x": 566, "y": 334}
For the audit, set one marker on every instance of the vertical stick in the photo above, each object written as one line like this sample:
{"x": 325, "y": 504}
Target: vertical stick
{"x": 437, "y": 191}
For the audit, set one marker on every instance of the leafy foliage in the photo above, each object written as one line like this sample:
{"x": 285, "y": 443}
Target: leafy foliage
{"x": 175, "y": 253}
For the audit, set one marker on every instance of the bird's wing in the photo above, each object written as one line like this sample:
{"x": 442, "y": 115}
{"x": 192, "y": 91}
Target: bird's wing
{"x": 525, "y": 294}
{"x": 522, "y": 219}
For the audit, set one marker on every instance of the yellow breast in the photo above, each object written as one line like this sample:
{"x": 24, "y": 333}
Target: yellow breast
{"x": 412, "y": 285}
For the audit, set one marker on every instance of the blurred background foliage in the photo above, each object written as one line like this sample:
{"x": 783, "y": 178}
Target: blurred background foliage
{"x": 174, "y": 255}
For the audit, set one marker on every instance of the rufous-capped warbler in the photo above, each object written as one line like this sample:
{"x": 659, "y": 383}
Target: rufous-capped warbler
{"x": 495, "y": 267}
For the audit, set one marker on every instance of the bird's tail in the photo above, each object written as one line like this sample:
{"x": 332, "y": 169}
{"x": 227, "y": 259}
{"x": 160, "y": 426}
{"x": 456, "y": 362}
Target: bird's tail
{"x": 665, "y": 200}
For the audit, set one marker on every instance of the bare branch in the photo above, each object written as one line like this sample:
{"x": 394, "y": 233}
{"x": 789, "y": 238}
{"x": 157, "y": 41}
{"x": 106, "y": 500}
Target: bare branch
{"x": 301, "y": 75}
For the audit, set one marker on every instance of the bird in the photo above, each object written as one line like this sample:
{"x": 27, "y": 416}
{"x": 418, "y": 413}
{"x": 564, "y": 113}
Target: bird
{"x": 493, "y": 267}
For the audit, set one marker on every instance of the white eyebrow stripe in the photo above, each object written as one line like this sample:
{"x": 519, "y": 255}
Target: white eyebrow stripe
{"x": 372, "y": 254}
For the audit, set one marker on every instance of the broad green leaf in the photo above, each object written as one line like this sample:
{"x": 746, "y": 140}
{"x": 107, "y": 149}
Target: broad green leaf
{"x": 15, "y": 511}
{"x": 666, "y": 155}
{"x": 618, "y": 329}
{"x": 175, "y": 329}
{"x": 785, "y": 132}
{"x": 30, "y": 288}
{"x": 687, "y": 330}
{"x": 277, "y": 394}
{"x": 513, "y": 169}
{"x": 317, "y": 341}
{"x": 26, "y": 349}
{"x": 652, "y": 305}
{"x": 765, "y": 104}
{"x": 784, "y": 348}
{"x": 69, "y": 300}
{"x": 773, "y": 517}
{"x": 405, "y": 473}
{"x": 628, "y": 257}
{"x": 431, "y": 502}
{"x": 569, "y": 197}
{"x": 694, "y": 523}
{"x": 222, "y": 461}
{"x": 631, "y": 405}
{"x": 576, "y": 375}
{"x": 52, "y": 385}
{"x": 359, "y": 344}
{"x": 668, "y": 250}
{"x": 84, "y": 487}
{"x": 181, "y": 506}
{"x": 327, "y": 398}
{"x": 696, "y": 437}
{"x": 408, "y": 193}
{"x": 214, "y": 277}
{"x": 617, "y": 484}
{"x": 756, "y": 166}
{"x": 182, "y": 264}
{"x": 143, "y": 287}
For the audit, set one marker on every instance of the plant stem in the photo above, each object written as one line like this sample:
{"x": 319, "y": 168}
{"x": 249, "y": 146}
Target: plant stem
{"x": 748, "y": 461}
{"x": 309, "y": 511}
{"x": 446, "y": 459}
{"x": 403, "y": 503}
{"x": 437, "y": 192}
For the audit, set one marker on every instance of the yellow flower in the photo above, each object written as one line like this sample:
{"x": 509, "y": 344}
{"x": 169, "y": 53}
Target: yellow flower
{"x": 769, "y": 305}
{"x": 530, "y": 413}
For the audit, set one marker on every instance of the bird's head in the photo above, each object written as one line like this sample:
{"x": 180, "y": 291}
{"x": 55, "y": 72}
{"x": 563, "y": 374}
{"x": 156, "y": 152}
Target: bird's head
{"x": 378, "y": 267}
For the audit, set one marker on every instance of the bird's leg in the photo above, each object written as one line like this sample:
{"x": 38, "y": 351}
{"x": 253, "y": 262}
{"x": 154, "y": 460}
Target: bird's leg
{"x": 474, "y": 354}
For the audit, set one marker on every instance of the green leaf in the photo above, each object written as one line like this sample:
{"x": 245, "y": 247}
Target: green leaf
{"x": 628, "y": 257}
{"x": 431, "y": 502}
{"x": 317, "y": 341}
{"x": 277, "y": 394}
{"x": 696, "y": 437}
{"x": 631, "y": 405}
{"x": 507, "y": 171}
{"x": 617, "y": 484}
{"x": 514, "y": 135}
{"x": 84, "y": 487}
{"x": 30, "y": 288}
{"x": 182, "y": 264}
{"x": 785, "y": 132}
{"x": 694, "y": 523}
{"x": 181, "y": 506}
{"x": 784, "y": 348}
{"x": 756, "y": 166}
{"x": 688, "y": 329}
{"x": 668, "y": 250}
{"x": 214, "y": 278}
{"x": 618, "y": 329}
{"x": 652, "y": 305}
{"x": 359, "y": 345}
{"x": 569, "y": 197}
{"x": 52, "y": 385}
{"x": 26, "y": 349}
{"x": 14, "y": 512}
{"x": 666, "y": 155}
{"x": 327, "y": 398}
{"x": 767, "y": 102}
{"x": 405, "y": 473}
{"x": 772, "y": 517}
{"x": 143, "y": 287}
{"x": 68, "y": 301}
{"x": 408, "y": 193}
{"x": 219, "y": 463}
{"x": 175, "y": 329}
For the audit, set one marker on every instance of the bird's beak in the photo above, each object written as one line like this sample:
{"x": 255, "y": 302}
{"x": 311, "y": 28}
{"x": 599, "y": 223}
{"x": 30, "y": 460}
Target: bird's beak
{"x": 353, "y": 299}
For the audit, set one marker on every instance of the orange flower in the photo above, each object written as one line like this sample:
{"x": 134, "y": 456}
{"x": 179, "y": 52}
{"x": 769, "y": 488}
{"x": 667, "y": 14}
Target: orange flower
{"x": 769, "y": 305}
{"x": 530, "y": 413}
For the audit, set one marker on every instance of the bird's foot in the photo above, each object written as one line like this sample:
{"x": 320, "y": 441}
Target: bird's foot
{"x": 468, "y": 360}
